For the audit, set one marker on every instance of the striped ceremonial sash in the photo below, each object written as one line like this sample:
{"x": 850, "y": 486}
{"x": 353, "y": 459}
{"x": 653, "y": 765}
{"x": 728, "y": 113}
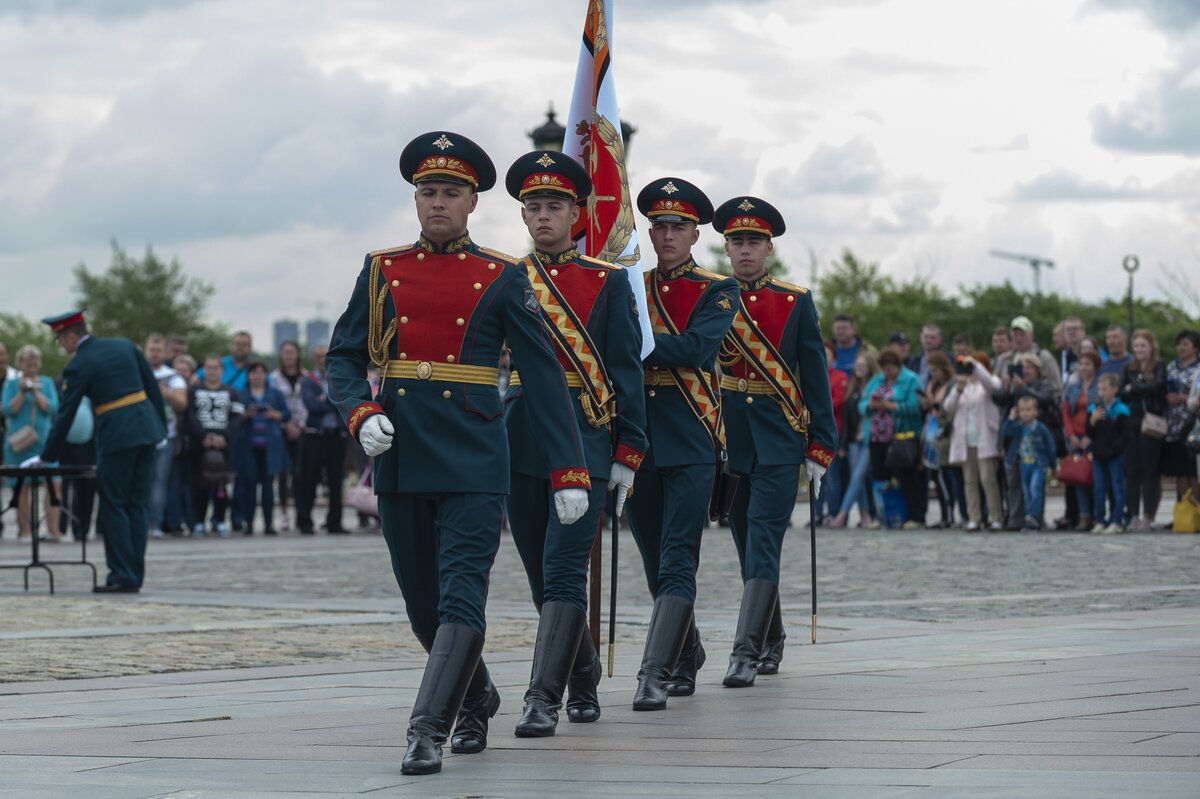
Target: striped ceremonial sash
{"x": 765, "y": 360}
{"x": 572, "y": 338}
{"x": 702, "y": 396}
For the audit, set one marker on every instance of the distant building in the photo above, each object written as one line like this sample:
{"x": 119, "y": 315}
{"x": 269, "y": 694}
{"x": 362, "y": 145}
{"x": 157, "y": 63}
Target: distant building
{"x": 286, "y": 330}
{"x": 316, "y": 331}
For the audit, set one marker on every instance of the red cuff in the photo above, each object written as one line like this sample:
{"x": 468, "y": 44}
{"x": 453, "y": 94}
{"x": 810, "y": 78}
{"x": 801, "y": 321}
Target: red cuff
{"x": 570, "y": 478}
{"x": 359, "y": 414}
{"x": 628, "y": 456}
{"x": 820, "y": 453}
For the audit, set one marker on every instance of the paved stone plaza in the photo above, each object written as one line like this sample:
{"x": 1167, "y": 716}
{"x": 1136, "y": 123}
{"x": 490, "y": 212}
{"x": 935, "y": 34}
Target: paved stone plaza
{"x": 947, "y": 665}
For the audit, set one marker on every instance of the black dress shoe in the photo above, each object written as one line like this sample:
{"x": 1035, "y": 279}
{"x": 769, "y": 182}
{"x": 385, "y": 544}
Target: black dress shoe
{"x": 115, "y": 589}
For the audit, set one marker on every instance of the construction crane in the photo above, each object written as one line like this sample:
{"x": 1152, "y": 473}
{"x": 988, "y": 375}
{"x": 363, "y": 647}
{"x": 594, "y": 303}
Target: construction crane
{"x": 1034, "y": 261}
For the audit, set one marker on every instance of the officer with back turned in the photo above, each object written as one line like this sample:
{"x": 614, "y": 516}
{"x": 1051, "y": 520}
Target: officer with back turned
{"x": 591, "y": 315}
{"x": 432, "y": 316}
{"x": 690, "y": 313}
{"x": 778, "y": 416}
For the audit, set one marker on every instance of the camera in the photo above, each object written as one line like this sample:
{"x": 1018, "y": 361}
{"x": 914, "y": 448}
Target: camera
{"x": 1016, "y": 370}
{"x": 963, "y": 366}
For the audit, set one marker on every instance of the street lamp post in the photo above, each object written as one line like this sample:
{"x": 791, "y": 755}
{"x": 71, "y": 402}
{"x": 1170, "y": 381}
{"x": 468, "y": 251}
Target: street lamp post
{"x": 549, "y": 135}
{"x": 1130, "y": 265}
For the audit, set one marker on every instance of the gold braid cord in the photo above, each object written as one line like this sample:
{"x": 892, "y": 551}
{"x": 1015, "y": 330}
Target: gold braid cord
{"x": 377, "y": 338}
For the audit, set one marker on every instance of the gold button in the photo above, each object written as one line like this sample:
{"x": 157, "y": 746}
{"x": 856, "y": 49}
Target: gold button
{"x": 404, "y": 356}
{"x": 420, "y": 256}
{"x": 666, "y": 288}
{"x": 399, "y": 392}
{"x": 791, "y": 298}
{"x": 478, "y": 286}
{"x": 652, "y": 392}
{"x": 749, "y": 400}
{"x": 602, "y": 273}
{"x": 395, "y": 283}
{"x": 449, "y": 359}
{"x": 446, "y": 393}
{"x": 752, "y": 375}
{"x": 554, "y": 273}
{"x": 404, "y": 320}
{"x": 492, "y": 267}
{"x": 753, "y": 298}
{"x": 387, "y": 261}
{"x": 460, "y": 321}
{"x": 462, "y": 256}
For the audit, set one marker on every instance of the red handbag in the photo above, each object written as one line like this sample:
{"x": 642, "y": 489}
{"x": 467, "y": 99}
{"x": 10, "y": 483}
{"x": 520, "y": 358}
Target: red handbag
{"x": 1076, "y": 469}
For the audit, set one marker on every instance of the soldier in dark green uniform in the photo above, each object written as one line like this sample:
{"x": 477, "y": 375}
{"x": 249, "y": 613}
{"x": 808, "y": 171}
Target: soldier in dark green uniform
{"x": 778, "y": 416}
{"x": 592, "y": 317}
{"x": 130, "y": 422}
{"x": 690, "y": 312}
{"x": 432, "y": 317}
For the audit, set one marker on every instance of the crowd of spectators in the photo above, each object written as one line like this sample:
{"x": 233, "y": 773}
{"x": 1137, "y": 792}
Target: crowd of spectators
{"x": 985, "y": 433}
{"x": 247, "y": 449}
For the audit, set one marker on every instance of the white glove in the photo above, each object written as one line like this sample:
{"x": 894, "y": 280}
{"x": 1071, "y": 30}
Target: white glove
{"x": 815, "y": 472}
{"x": 620, "y": 478}
{"x": 570, "y": 504}
{"x": 32, "y": 463}
{"x": 375, "y": 435}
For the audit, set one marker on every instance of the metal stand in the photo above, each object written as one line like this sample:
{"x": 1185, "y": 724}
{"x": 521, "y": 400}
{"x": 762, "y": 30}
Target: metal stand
{"x": 35, "y": 475}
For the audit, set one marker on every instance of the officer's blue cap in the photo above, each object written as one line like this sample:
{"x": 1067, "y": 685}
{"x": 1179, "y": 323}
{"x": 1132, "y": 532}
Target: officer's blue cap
{"x": 63, "y": 320}
{"x": 447, "y": 156}
{"x": 543, "y": 172}
{"x": 675, "y": 200}
{"x": 747, "y": 216}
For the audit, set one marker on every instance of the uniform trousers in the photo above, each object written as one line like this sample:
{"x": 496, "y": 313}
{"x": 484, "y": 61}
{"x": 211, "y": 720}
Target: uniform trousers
{"x": 759, "y": 518}
{"x": 123, "y": 481}
{"x": 555, "y": 555}
{"x": 442, "y": 548}
{"x": 668, "y": 511}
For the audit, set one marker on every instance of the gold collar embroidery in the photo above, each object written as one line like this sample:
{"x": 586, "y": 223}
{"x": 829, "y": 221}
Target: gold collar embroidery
{"x": 682, "y": 269}
{"x": 566, "y": 256}
{"x": 461, "y": 243}
{"x": 757, "y": 284}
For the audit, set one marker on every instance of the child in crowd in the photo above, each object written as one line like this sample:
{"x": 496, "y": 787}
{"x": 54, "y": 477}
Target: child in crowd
{"x": 215, "y": 409}
{"x": 1108, "y": 428}
{"x": 1029, "y": 452}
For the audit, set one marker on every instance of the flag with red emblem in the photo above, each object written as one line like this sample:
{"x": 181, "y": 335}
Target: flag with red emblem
{"x": 606, "y": 229}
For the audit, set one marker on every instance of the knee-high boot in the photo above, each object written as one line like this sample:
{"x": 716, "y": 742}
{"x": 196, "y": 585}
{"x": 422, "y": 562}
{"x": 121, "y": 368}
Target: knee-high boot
{"x": 772, "y": 653}
{"x": 758, "y": 601}
{"x": 691, "y": 659}
{"x": 480, "y": 704}
{"x": 453, "y": 657}
{"x": 557, "y": 640}
{"x": 668, "y": 625}
{"x": 583, "y": 705}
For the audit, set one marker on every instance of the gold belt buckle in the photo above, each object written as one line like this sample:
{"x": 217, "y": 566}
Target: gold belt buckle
{"x": 742, "y": 384}
{"x": 655, "y": 377}
{"x": 424, "y": 370}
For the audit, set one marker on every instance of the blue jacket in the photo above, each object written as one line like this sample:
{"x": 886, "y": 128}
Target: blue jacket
{"x": 701, "y": 304}
{"x": 1011, "y": 433}
{"x": 906, "y": 393}
{"x": 271, "y": 430}
{"x": 757, "y": 429}
{"x": 430, "y": 310}
{"x": 322, "y": 414}
{"x": 125, "y": 397}
{"x": 600, "y": 295}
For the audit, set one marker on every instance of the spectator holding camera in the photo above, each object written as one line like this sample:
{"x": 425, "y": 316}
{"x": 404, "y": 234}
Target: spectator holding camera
{"x": 1025, "y": 378}
{"x": 1023, "y": 343}
{"x": 1144, "y": 392}
{"x": 1108, "y": 428}
{"x": 30, "y": 403}
{"x": 936, "y": 433}
{"x": 287, "y": 379}
{"x": 1029, "y": 452}
{"x": 975, "y": 437}
{"x": 1079, "y": 395}
{"x": 259, "y": 452}
{"x": 856, "y": 432}
{"x": 892, "y": 403}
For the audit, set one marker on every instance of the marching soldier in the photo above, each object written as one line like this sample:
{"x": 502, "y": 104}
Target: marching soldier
{"x": 778, "y": 414}
{"x": 130, "y": 422}
{"x": 592, "y": 317}
{"x": 690, "y": 313}
{"x": 432, "y": 317}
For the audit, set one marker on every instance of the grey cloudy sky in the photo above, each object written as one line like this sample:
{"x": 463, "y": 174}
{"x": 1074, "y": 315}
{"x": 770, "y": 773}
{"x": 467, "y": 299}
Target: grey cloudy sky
{"x": 257, "y": 142}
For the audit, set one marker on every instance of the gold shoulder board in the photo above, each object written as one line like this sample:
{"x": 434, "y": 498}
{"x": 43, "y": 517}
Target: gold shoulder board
{"x": 606, "y": 264}
{"x": 392, "y": 250}
{"x": 789, "y": 286}
{"x": 499, "y": 256}
{"x": 710, "y": 275}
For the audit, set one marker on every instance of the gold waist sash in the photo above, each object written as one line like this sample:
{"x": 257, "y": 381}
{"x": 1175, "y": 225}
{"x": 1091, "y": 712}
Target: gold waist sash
{"x": 573, "y": 380}
{"x": 128, "y": 399}
{"x": 442, "y": 372}
{"x": 662, "y": 377}
{"x": 730, "y": 383}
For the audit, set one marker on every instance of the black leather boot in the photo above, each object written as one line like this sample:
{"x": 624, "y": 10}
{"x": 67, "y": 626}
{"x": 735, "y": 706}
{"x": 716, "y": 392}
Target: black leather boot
{"x": 583, "y": 705}
{"x": 557, "y": 640}
{"x": 691, "y": 660}
{"x": 453, "y": 657}
{"x": 480, "y": 704}
{"x": 758, "y": 601}
{"x": 668, "y": 625}
{"x": 772, "y": 652}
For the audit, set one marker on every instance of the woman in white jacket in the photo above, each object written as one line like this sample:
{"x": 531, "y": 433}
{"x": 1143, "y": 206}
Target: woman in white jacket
{"x": 975, "y": 437}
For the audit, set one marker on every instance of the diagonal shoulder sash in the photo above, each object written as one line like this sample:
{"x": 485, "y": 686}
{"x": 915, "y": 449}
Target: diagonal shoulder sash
{"x": 572, "y": 337}
{"x": 765, "y": 359}
{"x": 701, "y": 392}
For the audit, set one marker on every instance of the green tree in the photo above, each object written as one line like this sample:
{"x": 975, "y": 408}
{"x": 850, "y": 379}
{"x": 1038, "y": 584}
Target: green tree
{"x": 137, "y": 297}
{"x": 17, "y": 331}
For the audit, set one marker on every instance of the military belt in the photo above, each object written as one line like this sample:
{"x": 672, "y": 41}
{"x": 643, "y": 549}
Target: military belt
{"x": 662, "y": 377}
{"x": 128, "y": 399}
{"x": 442, "y": 372}
{"x": 573, "y": 380}
{"x": 731, "y": 383}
